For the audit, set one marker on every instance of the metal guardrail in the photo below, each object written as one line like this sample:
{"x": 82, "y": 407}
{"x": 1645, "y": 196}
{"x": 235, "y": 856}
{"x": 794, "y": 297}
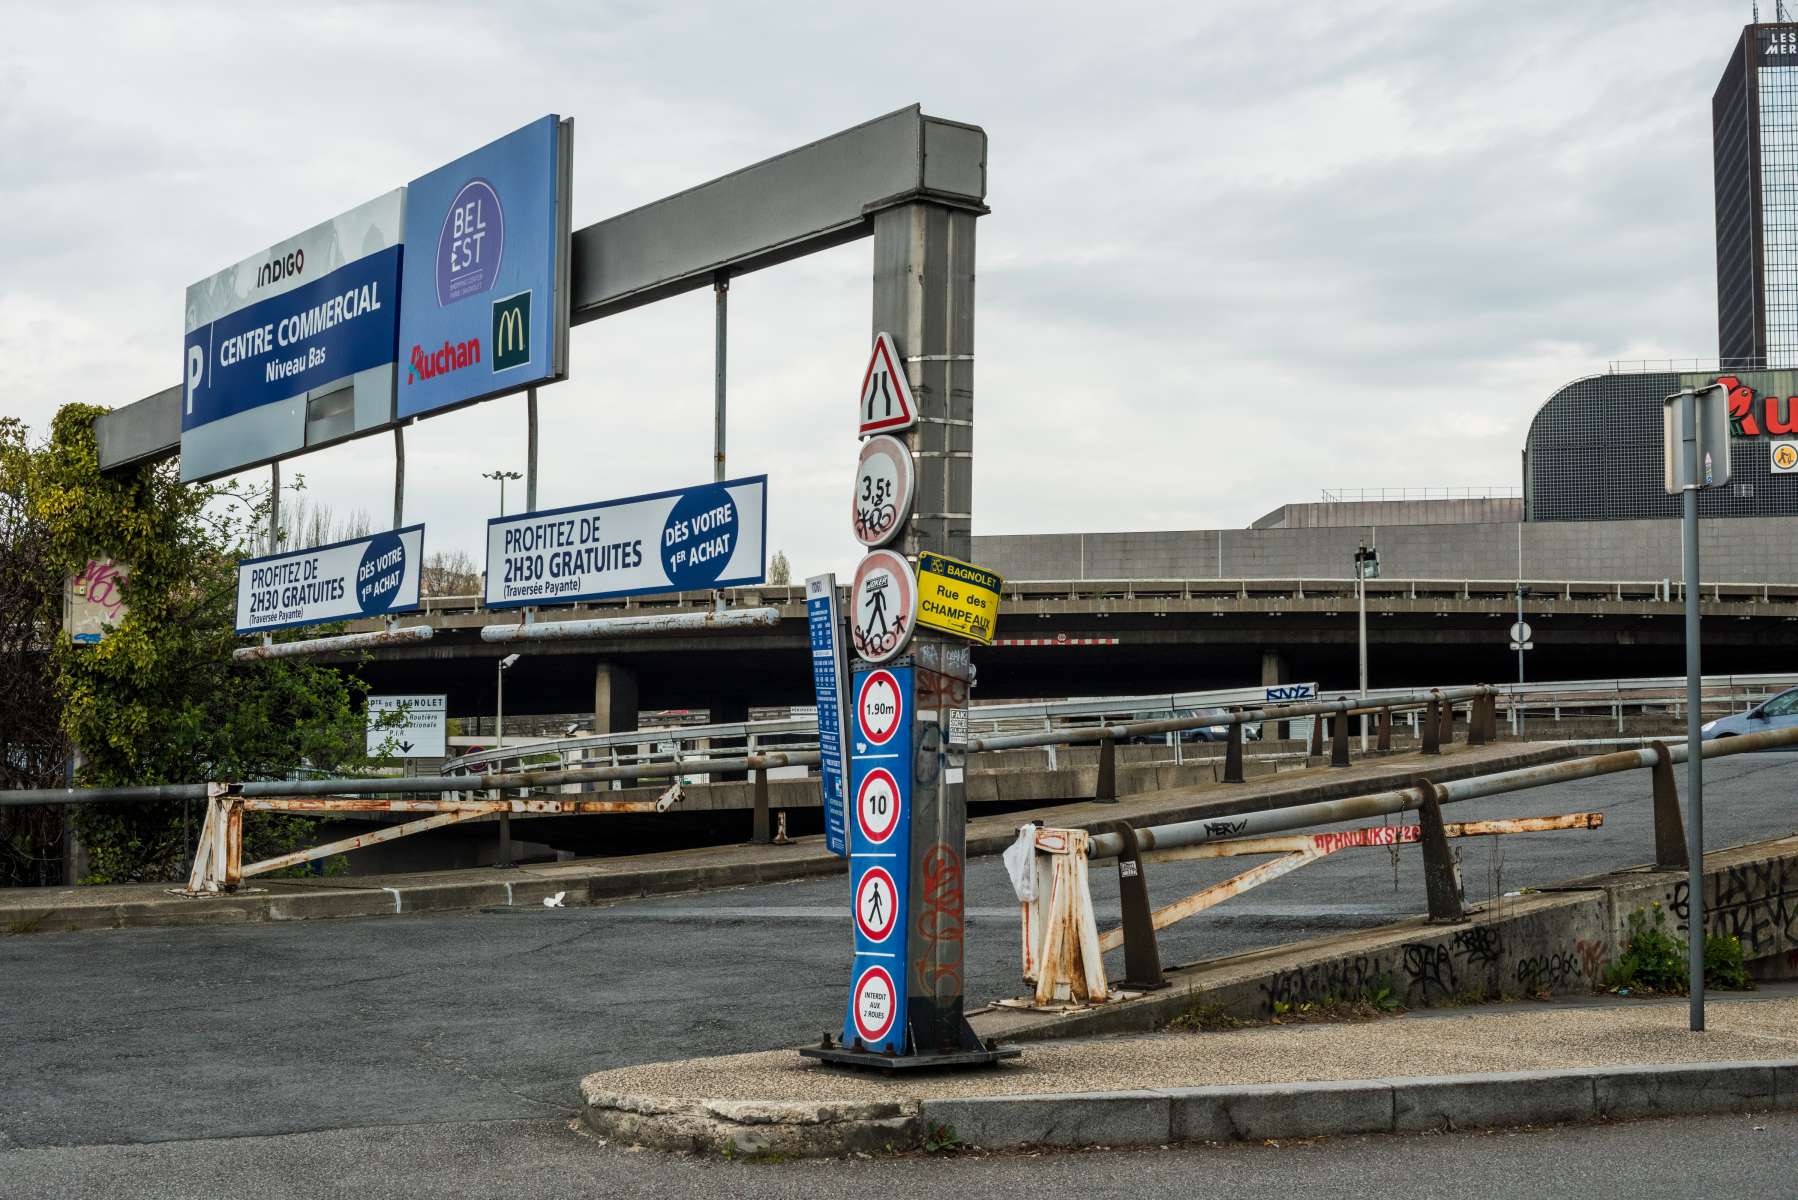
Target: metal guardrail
{"x": 1062, "y": 946}
{"x": 1500, "y": 592}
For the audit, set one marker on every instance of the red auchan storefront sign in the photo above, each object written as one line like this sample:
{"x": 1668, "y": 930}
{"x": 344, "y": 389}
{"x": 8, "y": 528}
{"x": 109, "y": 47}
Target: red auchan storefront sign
{"x": 1761, "y": 403}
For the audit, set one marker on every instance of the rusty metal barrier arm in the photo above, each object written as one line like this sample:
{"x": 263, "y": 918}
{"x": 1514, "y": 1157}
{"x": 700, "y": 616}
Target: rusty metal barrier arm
{"x": 1378, "y": 804}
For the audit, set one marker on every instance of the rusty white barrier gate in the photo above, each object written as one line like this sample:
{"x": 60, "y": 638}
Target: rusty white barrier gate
{"x": 1062, "y": 948}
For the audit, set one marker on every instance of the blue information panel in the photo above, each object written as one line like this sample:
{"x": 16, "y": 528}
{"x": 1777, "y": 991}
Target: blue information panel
{"x": 340, "y": 323}
{"x": 483, "y": 242}
{"x": 879, "y": 818}
{"x": 827, "y": 674}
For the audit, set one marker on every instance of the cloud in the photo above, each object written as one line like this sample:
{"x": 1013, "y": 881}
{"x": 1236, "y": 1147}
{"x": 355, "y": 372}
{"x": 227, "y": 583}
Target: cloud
{"x": 1238, "y": 252}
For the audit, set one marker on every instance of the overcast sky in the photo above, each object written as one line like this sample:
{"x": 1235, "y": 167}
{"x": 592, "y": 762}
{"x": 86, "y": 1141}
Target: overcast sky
{"x": 1238, "y": 252}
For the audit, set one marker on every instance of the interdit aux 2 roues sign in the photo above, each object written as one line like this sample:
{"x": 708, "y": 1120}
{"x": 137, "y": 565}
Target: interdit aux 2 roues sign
{"x": 363, "y": 577}
{"x": 689, "y": 539}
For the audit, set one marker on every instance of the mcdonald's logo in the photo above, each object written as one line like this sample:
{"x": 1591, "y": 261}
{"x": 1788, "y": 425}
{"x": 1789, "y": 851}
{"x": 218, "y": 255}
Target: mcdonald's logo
{"x": 511, "y": 332}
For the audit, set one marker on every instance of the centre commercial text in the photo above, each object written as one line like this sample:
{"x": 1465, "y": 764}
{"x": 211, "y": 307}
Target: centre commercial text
{"x": 300, "y": 326}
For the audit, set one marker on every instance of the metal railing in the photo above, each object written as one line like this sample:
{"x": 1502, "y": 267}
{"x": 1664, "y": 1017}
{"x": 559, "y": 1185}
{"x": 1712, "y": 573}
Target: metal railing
{"x": 1501, "y": 592}
{"x": 1062, "y": 946}
{"x": 544, "y": 790}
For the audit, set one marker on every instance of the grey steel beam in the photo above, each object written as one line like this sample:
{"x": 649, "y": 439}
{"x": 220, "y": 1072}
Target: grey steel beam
{"x": 149, "y": 428}
{"x": 809, "y": 199}
{"x": 797, "y": 203}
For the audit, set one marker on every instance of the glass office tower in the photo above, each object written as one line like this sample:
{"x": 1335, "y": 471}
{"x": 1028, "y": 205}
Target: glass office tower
{"x": 1754, "y": 140}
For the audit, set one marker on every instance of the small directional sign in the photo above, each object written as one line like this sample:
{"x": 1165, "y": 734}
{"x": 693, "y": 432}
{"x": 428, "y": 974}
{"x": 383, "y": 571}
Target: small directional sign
{"x": 885, "y": 404}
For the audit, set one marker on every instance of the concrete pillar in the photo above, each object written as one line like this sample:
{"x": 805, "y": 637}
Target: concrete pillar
{"x": 1274, "y": 670}
{"x": 614, "y": 698}
{"x": 924, "y": 298}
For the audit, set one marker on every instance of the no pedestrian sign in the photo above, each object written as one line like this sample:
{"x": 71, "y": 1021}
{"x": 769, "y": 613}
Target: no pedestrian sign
{"x": 957, "y": 597}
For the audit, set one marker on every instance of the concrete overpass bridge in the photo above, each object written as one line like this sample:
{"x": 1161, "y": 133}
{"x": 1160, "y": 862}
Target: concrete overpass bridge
{"x": 1099, "y": 637}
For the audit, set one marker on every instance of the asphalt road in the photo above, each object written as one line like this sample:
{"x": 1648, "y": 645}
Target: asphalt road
{"x": 1742, "y": 1157}
{"x": 140, "y": 1036}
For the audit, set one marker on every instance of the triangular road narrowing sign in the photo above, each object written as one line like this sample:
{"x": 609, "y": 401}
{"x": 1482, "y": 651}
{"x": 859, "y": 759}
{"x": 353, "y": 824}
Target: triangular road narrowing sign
{"x": 885, "y": 405}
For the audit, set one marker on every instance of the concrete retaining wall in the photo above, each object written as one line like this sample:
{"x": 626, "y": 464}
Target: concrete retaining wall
{"x": 1554, "y": 942}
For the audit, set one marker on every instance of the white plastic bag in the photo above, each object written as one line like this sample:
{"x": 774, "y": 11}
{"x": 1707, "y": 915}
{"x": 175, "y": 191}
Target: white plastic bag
{"x": 1020, "y": 864}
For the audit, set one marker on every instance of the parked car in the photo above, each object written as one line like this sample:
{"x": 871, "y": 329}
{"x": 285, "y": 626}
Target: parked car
{"x": 1777, "y": 712}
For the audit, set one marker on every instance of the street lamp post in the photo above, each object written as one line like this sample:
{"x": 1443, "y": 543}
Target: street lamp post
{"x": 499, "y": 744}
{"x": 502, "y": 476}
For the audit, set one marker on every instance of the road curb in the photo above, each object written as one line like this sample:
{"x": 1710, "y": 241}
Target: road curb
{"x": 1161, "y": 1116}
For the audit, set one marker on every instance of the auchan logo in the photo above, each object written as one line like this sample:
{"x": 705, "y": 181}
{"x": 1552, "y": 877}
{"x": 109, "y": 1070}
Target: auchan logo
{"x": 1752, "y": 415}
{"x": 451, "y": 356}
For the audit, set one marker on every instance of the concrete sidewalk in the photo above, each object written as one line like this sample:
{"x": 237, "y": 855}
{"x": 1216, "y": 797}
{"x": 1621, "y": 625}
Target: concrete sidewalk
{"x": 1495, "y": 1065}
{"x": 596, "y": 880}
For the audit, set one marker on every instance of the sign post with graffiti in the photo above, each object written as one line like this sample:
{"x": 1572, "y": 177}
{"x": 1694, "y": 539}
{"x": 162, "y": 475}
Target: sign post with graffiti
{"x": 907, "y": 808}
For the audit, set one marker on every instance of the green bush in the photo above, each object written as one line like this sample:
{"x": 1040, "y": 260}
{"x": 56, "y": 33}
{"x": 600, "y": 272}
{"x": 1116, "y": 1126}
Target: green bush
{"x": 1653, "y": 960}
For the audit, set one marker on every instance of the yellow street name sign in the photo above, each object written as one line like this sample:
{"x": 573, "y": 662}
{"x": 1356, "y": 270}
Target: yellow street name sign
{"x": 957, "y": 597}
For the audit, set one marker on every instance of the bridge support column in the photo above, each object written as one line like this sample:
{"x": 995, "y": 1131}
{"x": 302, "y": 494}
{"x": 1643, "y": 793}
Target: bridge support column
{"x": 614, "y": 698}
{"x": 1274, "y": 670}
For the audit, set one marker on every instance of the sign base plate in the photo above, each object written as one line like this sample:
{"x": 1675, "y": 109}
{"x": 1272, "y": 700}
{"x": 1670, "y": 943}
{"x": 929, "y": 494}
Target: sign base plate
{"x": 838, "y": 1055}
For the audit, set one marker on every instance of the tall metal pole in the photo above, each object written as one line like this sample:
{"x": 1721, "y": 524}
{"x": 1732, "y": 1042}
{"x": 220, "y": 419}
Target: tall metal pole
{"x": 1361, "y": 598}
{"x": 720, "y": 322}
{"x": 1517, "y": 700}
{"x": 530, "y": 463}
{"x": 274, "y": 506}
{"x": 499, "y": 744}
{"x": 1694, "y": 682}
{"x": 399, "y": 476}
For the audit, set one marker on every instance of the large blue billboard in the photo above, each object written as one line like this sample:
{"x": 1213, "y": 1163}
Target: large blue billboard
{"x": 340, "y": 323}
{"x": 293, "y": 347}
{"x": 486, "y": 236}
